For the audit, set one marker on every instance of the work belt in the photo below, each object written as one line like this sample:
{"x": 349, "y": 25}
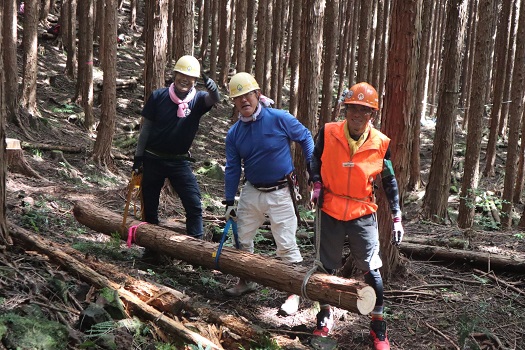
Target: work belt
{"x": 170, "y": 156}
{"x": 274, "y": 186}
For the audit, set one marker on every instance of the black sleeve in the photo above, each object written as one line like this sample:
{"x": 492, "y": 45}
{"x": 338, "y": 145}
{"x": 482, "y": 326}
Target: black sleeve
{"x": 315, "y": 163}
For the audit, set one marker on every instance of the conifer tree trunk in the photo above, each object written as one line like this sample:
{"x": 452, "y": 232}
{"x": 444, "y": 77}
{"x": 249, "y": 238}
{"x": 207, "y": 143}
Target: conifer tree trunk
{"x": 203, "y": 50}
{"x": 106, "y": 128}
{"x": 214, "y": 36}
{"x": 363, "y": 52}
{"x": 309, "y": 81}
{"x": 85, "y": 58}
{"x": 250, "y": 34}
{"x": 9, "y": 28}
{"x": 156, "y": 43}
{"x": 294, "y": 55}
{"x": 240, "y": 34}
{"x": 30, "y": 59}
{"x": 397, "y": 109}
{"x": 415, "y": 171}
{"x": 331, "y": 36}
{"x": 262, "y": 22}
{"x": 186, "y": 20}
{"x": 515, "y": 116}
{"x": 476, "y": 112}
{"x": 500, "y": 59}
{"x": 435, "y": 202}
{"x": 5, "y": 239}
{"x": 224, "y": 42}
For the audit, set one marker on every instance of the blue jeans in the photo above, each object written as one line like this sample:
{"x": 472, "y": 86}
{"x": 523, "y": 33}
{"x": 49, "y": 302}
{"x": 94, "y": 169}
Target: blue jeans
{"x": 184, "y": 183}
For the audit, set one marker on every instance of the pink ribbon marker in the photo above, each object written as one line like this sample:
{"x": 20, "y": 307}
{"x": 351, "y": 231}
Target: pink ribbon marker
{"x": 132, "y": 232}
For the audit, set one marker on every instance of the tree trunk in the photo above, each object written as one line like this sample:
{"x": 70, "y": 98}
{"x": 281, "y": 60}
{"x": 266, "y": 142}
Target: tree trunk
{"x": 5, "y": 239}
{"x": 30, "y": 59}
{"x": 214, "y": 36}
{"x": 156, "y": 43}
{"x": 275, "y": 59}
{"x": 331, "y": 35}
{"x": 106, "y": 128}
{"x": 397, "y": 111}
{"x": 414, "y": 181}
{"x": 435, "y": 202}
{"x": 515, "y": 116}
{"x": 250, "y": 34}
{"x": 224, "y": 42}
{"x": 203, "y": 49}
{"x": 9, "y": 40}
{"x": 500, "y": 58}
{"x": 240, "y": 34}
{"x": 347, "y": 294}
{"x": 363, "y": 52}
{"x": 71, "y": 42}
{"x": 294, "y": 56}
{"x": 476, "y": 113}
{"x": 186, "y": 21}
{"x": 262, "y": 22}
{"x": 85, "y": 57}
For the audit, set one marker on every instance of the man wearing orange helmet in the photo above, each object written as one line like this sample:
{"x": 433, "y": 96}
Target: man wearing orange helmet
{"x": 259, "y": 143}
{"x": 348, "y": 155}
{"x": 171, "y": 120}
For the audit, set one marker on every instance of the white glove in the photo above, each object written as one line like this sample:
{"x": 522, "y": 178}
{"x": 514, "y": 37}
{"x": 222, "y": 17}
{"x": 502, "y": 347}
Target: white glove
{"x": 397, "y": 231}
{"x": 231, "y": 211}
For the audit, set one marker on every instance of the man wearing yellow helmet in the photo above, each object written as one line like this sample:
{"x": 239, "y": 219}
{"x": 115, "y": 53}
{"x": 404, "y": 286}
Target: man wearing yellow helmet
{"x": 348, "y": 156}
{"x": 171, "y": 120}
{"x": 260, "y": 140}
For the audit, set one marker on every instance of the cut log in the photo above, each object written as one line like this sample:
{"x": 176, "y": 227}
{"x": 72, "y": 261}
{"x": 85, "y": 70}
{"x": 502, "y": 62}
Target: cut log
{"x": 47, "y": 147}
{"x": 494, "y": 261}
{"x": 348, "y": 294}
{"x": 16, "y": 162}
{"x": 91, "y": 276}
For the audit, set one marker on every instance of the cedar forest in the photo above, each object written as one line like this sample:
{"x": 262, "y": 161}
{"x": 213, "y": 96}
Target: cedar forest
{"x": 74, "y": 77}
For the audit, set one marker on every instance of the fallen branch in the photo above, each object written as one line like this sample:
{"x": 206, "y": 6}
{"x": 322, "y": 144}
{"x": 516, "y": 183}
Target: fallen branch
{"x": 499, "y": 281}
{"x": 344, "y": 293}
{"x": 480, "y": 258}
{"x": 91, "y": 276}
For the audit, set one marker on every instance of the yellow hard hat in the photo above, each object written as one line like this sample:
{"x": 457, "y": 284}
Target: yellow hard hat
{"x": 188, "y": 65}
{"x": 242, "y": 83}
{"x": 363, "y": 94}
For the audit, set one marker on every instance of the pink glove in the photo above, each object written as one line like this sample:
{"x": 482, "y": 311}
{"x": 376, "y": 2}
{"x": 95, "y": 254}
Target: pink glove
{"x": 398, "y": 231}
{"x": 316, "y": 192}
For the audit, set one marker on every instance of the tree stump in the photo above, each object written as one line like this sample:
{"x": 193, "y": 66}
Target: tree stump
{"x": 15, "y": 160}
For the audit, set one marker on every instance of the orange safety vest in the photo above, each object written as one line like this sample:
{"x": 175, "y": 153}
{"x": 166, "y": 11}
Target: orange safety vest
{"x": 348, "y": 181}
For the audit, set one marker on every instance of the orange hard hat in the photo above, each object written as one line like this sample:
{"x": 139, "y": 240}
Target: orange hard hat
{"x": 362, "y": 94}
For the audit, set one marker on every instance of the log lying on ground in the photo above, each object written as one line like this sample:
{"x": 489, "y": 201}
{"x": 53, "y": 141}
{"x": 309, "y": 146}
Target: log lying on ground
{"x": 47, "y": 147}
{"x": 492, "y": 261}
{"x": 91, "y": 276}
{"x": 348, "y": 294}
{"x": 168, "y": 300}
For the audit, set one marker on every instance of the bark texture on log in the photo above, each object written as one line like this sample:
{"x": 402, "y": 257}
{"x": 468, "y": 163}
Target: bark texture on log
{"x": 493, "y": 261}
{"x": 348, "y": 294}
{"x": 16, "y": 163}
{"x": 91, "y": 276}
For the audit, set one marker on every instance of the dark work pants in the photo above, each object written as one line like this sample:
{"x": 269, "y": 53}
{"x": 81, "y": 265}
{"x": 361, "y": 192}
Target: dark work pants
{"x": 184, "y": 183}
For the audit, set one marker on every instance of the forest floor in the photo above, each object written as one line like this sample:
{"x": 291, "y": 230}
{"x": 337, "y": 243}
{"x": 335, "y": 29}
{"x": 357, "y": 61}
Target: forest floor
{"x": 436, "y": 304}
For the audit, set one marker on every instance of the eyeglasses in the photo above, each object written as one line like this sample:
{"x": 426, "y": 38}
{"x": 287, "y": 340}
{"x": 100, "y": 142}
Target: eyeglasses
{"x": 360, "y": 110}
{"x": 245, "y": 96}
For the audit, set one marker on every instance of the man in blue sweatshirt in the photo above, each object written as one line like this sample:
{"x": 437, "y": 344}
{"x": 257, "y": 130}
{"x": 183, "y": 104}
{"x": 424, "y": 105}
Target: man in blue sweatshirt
{"x": 260, "y": 141}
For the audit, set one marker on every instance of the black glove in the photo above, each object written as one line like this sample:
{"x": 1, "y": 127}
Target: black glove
{"x": 209, "y": 83}
{"x": 231, "y": 210}
{"x": 137, "y": 165}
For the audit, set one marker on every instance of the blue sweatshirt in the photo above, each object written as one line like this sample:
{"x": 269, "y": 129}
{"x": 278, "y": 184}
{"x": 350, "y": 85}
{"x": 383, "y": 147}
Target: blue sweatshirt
{"x": 263, "y": 147}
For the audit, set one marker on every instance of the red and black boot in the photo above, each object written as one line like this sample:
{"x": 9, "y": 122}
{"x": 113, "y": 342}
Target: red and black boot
{"x": 379, "y": 335}
{"x": 325, "y": 322}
